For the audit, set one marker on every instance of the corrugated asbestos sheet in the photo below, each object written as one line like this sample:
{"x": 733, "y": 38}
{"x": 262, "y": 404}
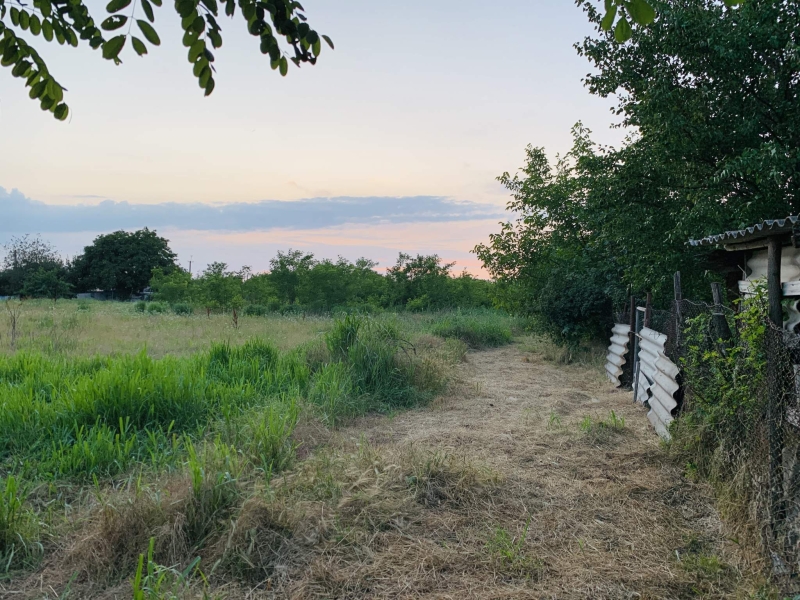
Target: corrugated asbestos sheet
{"x": 657, "y": 380}
{"x": 617, "y": 352}
{"x": 757, "y": 231}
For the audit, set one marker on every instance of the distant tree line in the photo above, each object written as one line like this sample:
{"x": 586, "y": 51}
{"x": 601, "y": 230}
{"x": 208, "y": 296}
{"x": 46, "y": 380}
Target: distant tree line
{"x": 127, "y": 263}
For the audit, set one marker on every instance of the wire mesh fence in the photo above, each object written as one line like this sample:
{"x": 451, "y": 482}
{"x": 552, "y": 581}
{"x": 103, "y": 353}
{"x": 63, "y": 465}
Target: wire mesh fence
{"x": 738, "y": 415}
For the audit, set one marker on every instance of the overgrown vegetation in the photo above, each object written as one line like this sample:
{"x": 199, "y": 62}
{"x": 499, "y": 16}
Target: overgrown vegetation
{"x": 599, "y": 223}
{"x": 725, "y": 398}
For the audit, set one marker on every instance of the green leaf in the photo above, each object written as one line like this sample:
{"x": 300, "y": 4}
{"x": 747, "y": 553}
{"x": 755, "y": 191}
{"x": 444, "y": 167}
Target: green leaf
{"x": 204, "y": 78}
{"x": 211, "y": 5}
{"x": 15, "y": 16}
{"x": 47, "y": 30}
{"x": 196, "y": 50}
{"x": 199, "y": 66}
{"x": 209, "y": 87}
{"x": 156, "y": 2}
{"x": 37, "y": 90}
{"x": 112, "y": 47}
{"x": 284, "y": 66}
{"x": 149, "y": 33}
{"x": 54, "y": 90}
{"x": 328, "y": 41}
{"x": 316, "y": 48}
{"x": 608, "y": 19}
{"x": 641, "y": 12}
{"x": 216, "y": 39}
{"x": 35, "y": 25}
{"x": 24, "y": 19}
{"x": 61, "y": 112}
{"x": 148, "y": 10}
{"x": 138, "y": 46}
{"x": 623, "y": 31}
{"x": 117, "y": 5}
{"x": 114, "y": 22}
{"x": 47, "y": 103}
{"x": 45, "y": 7}
{"x": 199, "y": 24}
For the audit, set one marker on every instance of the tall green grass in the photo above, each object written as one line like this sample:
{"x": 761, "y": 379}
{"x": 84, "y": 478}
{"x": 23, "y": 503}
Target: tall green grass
{"x": 82, "y": 418}
{"x": 477, "y": 331}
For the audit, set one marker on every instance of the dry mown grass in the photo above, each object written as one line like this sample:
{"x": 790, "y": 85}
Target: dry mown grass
{"x": 501, "y": 489}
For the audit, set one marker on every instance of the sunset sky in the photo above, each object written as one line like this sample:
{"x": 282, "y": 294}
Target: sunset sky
{"x": 392, "y": 142}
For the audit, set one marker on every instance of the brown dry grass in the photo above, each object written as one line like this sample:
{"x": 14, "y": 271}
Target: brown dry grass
{"x": 494, "y": 491}
{"x": 114, "y": 327}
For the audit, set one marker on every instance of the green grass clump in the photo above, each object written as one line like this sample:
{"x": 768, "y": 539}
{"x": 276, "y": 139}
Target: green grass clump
{"x": 80, "y": 418}
{"x": 475, "y": 331}
{"x": 182, "y": 309}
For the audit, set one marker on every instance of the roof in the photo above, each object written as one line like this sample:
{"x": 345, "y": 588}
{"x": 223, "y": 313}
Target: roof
{"x": 759, "y": 231}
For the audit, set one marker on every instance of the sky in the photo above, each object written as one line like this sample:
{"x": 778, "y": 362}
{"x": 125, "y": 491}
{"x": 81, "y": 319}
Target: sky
{"x": 392, "y": 142}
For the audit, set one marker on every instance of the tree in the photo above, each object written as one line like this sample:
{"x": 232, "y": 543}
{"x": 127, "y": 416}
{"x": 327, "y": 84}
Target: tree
{"x": 219, "y": 288}
{"x": 620, "y": 15}
{"x": 285, "y": 272}
{"x": 712, "y": 97}
{"x": 421, "y": 279}
{"x": 172, "y": 287}
{"x": 24, "y": 257}
{"x": 71, "y": 22}
{"x": 47, "y": 283}
{"x": 122, "y": 261}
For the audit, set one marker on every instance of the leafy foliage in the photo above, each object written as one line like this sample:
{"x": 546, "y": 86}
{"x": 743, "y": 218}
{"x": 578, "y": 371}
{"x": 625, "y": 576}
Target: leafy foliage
{"x": 711, "y": 94}
{"x": 279, "y": 25}
{"x": 122, "y": 261}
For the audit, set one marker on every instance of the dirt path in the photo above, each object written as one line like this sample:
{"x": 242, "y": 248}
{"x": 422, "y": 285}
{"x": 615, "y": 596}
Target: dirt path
{"x": 608, "y": 517}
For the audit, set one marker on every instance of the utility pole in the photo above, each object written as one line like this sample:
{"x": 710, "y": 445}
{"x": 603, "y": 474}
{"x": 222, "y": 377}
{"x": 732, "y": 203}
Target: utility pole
{"x": 190, "y": 263}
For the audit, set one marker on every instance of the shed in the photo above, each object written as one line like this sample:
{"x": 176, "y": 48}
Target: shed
{"x": 770, "y": 252}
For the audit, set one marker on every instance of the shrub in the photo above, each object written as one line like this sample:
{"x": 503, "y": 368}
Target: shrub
{"x": 183, "y": 309}
{"x": 156, "y": 308}
{"x": 140, "y": 306}
{"x": 476, "y": 332}
{"x": 256, "y": 310}
{"x": 84, "y": 305}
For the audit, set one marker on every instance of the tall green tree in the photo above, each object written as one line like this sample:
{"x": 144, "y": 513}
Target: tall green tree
{"x": 710, "y": 95}
{"x": 286, "y": 270}
{"x": 24, "y": 257}
{"x": 47, "y": 283}
{"x": 280, "y": 26}
{"x": 122, "y": 261}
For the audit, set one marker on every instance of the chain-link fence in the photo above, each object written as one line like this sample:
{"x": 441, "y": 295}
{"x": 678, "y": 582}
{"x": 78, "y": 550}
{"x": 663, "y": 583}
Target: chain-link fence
{"x": 738, "y": 415}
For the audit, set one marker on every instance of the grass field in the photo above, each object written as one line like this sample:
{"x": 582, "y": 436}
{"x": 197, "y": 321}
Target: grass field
{"x": 99, "y": 402}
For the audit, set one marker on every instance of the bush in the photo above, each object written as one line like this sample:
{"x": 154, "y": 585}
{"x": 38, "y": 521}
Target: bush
{"x": 256, "y": 310}
{"x": 156, "y": 308}
{"x": 140, "y": 306}
{"x": 476, "y": 332}
{"x": 84, "y": 305}
{"x": 182, "y": 309}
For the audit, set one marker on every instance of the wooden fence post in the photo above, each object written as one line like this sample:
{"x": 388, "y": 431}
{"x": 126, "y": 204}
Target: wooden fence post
{"x": 676, "y": 284}
{"x": 775, "y": 389}
{"x": 720, "y": 322}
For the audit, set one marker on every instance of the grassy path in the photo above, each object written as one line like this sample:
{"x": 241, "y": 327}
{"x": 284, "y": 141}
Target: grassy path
{"x": 606, "y": 516}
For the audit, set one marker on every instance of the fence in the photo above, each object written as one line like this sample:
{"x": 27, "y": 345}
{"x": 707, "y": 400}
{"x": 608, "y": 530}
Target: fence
{"x": 731, "y": 383}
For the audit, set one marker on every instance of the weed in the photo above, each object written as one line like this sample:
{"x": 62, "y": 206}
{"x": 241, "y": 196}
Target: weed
{"x": 156, "y": 582}
{"x": 554, "y": 420}
{"x": 603, "y": 431}
{"x": 509, "y": 553}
